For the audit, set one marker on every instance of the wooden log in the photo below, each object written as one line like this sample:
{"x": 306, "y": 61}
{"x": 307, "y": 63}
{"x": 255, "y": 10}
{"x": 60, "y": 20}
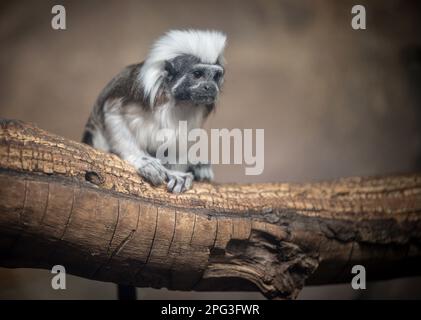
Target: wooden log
{"x": 63, "y": 202}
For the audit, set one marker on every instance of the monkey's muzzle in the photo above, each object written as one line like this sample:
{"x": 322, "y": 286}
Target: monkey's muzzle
{"x": 205, "y": 94}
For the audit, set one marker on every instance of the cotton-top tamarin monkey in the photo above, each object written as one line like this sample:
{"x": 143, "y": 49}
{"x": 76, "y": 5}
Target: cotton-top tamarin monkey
{"x": 180, "y": 80}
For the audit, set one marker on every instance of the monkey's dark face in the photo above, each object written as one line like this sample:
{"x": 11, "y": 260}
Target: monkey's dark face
{"x": 190, "y": 80}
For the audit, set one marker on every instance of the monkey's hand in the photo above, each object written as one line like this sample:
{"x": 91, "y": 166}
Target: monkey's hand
{"x": 151, "y": 169}
{"x": 179, "y": 181}
{"x": 202, "y": 172}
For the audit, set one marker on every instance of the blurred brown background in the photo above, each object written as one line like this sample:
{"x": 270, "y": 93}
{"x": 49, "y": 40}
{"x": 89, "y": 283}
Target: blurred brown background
{"x": 333, "y": 101}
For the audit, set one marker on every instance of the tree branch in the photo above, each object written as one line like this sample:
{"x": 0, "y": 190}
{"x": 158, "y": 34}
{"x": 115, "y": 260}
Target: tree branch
{"x": 62, "y": 202}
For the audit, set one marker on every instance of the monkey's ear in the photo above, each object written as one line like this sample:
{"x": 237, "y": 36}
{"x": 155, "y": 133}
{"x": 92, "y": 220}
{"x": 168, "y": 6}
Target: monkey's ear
{"x": 169, "y": 67}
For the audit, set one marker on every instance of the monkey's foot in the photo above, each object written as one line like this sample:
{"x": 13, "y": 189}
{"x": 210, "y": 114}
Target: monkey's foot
{"x": 179, "y": 181}
{"x": 202, "y": 172}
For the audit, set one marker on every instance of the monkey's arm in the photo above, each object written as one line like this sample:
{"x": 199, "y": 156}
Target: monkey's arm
{"x": 123, "y": 143}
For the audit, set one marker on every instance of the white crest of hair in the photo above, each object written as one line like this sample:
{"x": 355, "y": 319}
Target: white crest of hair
{"x": 207, "y": 45}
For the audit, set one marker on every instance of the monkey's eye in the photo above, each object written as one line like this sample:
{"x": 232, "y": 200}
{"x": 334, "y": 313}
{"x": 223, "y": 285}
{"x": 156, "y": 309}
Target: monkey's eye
{"x": 198, "y": 74}
{"x": 217, "y": 76}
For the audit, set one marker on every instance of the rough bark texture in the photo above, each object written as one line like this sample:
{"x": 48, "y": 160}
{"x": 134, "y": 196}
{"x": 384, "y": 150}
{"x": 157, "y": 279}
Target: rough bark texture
{"x": 62, "y": 202}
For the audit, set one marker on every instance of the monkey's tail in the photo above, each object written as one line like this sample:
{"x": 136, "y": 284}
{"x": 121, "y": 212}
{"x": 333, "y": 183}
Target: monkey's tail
{"x": 126, "y": 292}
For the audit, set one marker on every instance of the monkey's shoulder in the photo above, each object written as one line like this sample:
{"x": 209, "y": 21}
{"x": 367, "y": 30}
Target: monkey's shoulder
{"x": 125, "y": 85}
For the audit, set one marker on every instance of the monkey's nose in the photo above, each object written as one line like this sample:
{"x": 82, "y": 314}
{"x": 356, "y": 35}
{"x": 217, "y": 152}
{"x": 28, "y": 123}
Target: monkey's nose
{"x": 209, "y": 88}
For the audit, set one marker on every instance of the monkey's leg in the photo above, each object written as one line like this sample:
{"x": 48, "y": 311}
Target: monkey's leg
{"x": 202, "y": 172}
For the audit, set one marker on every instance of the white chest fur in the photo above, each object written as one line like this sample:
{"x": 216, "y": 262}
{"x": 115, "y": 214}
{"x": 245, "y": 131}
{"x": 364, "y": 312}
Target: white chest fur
{"x": 145, "y": 126}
